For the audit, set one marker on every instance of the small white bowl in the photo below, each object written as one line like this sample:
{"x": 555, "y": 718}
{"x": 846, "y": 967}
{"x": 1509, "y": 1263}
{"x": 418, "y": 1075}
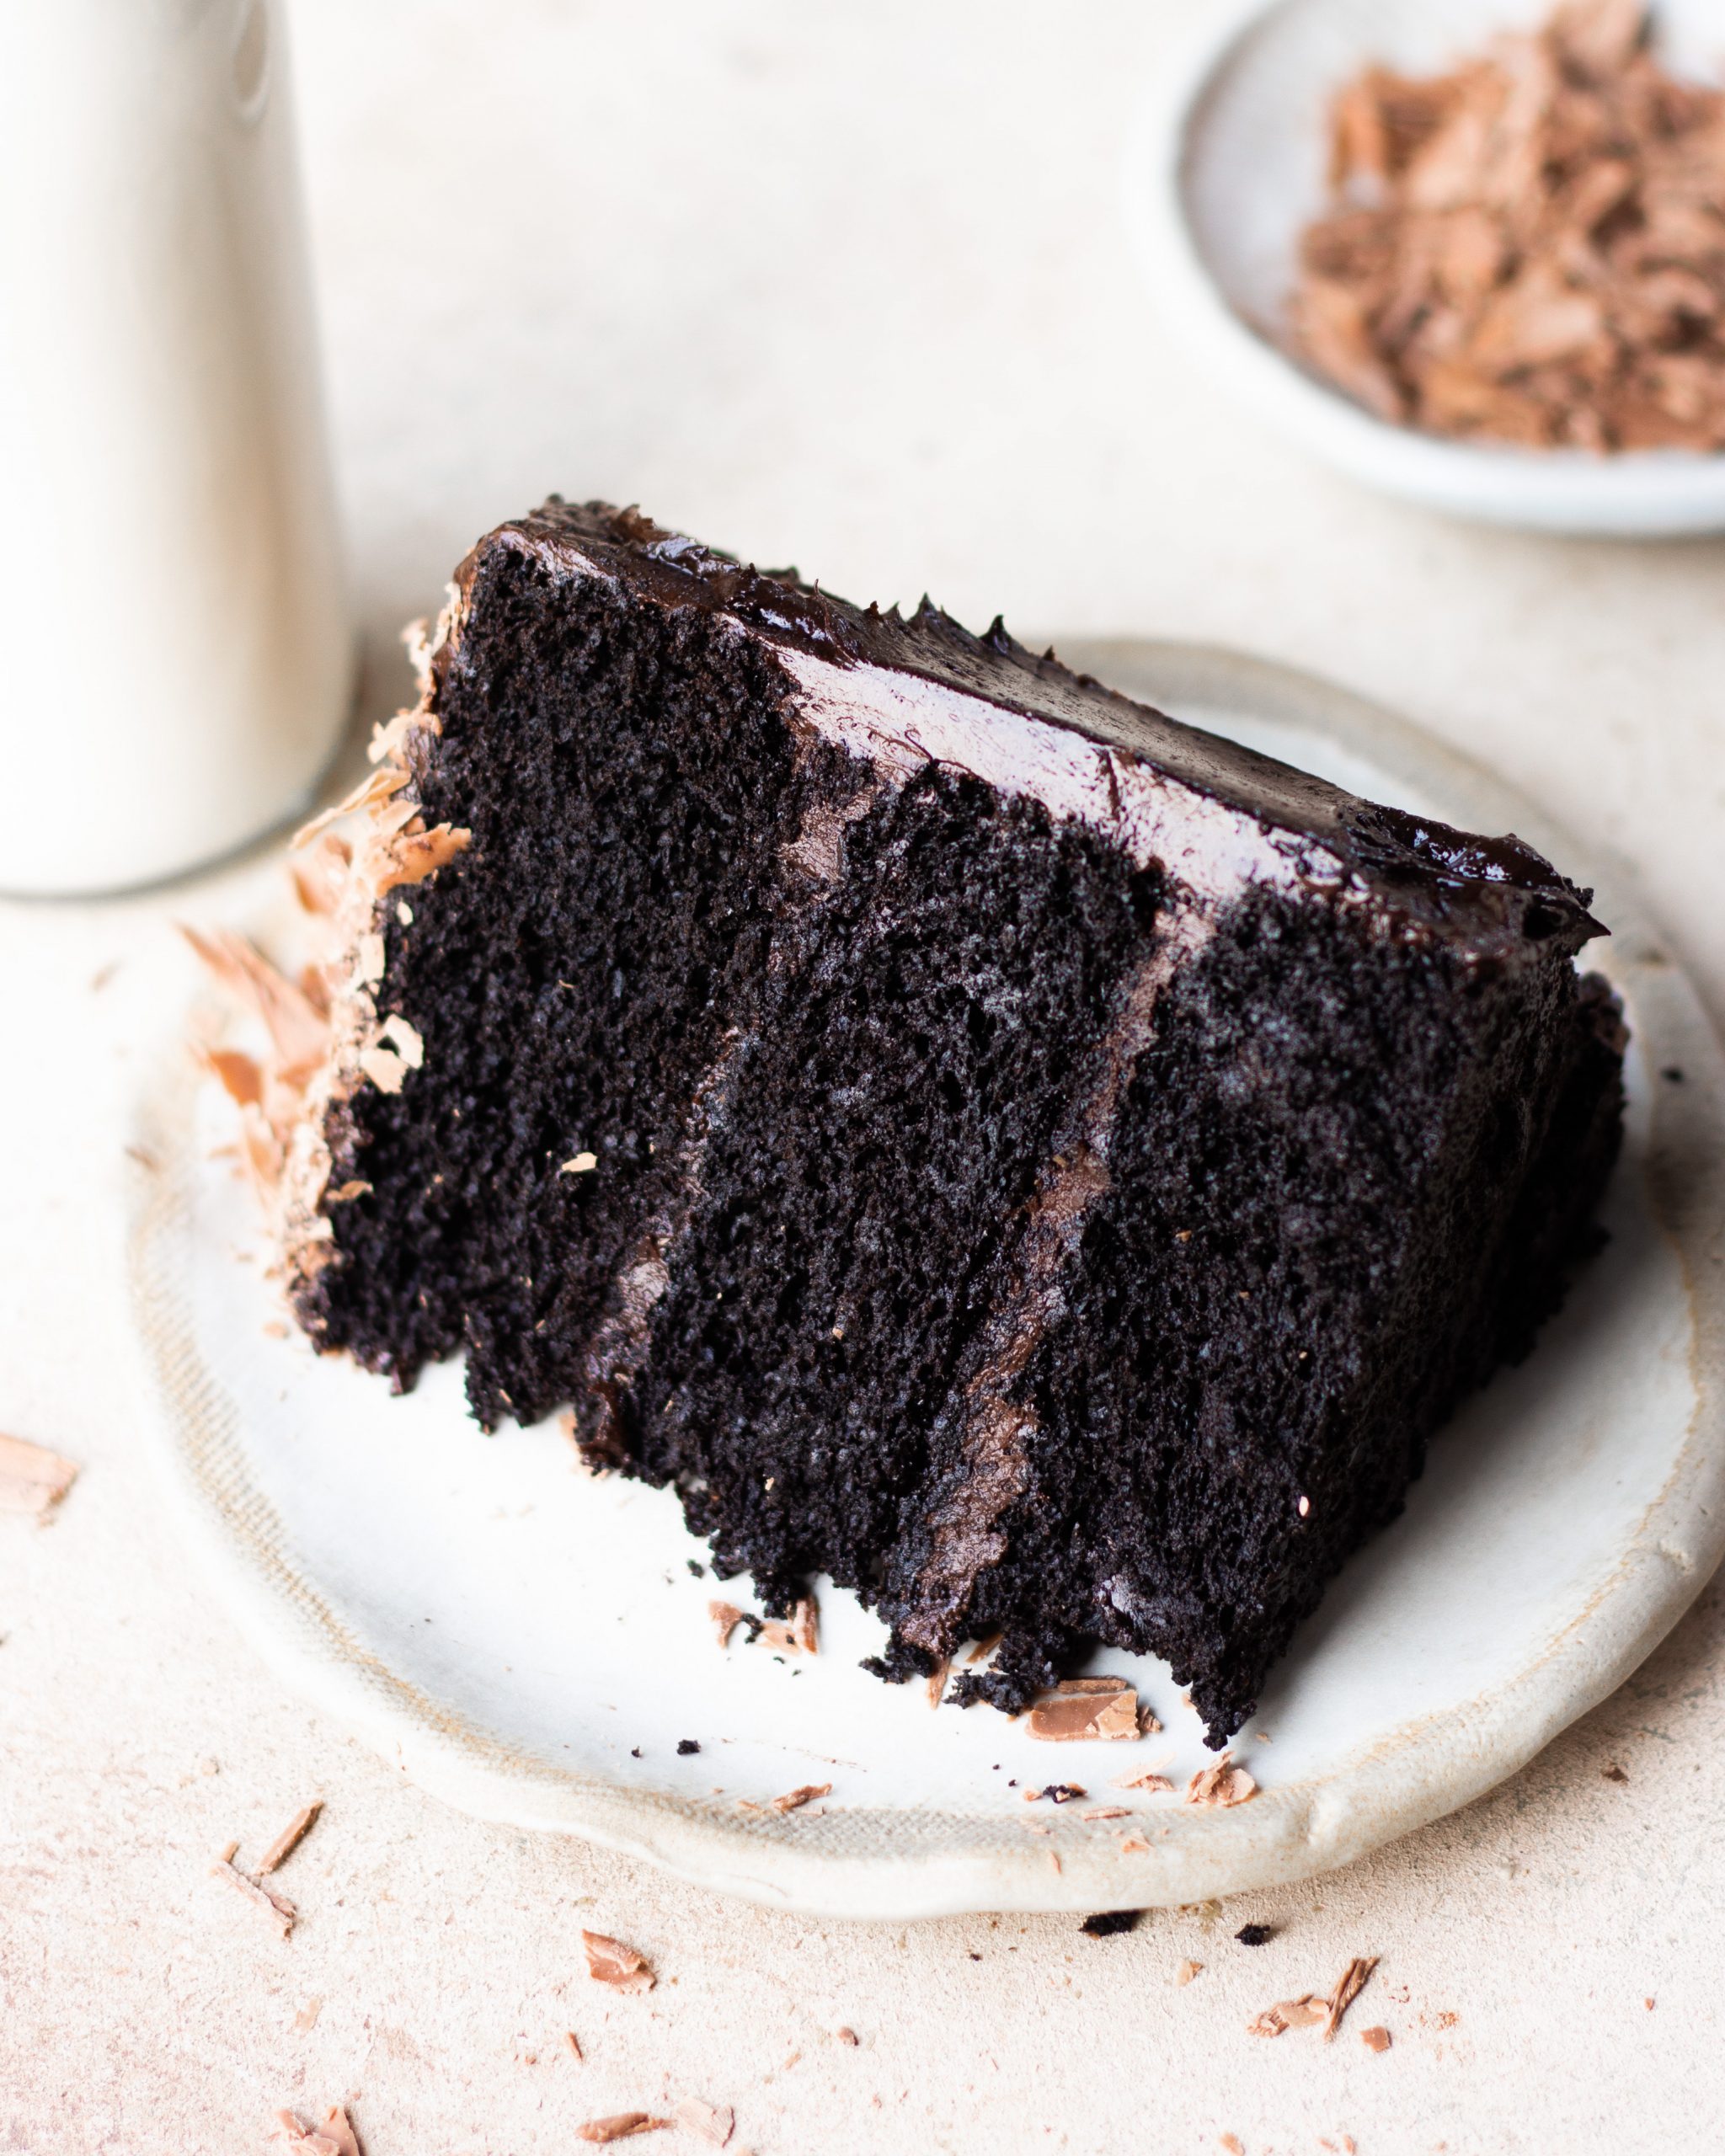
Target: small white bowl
{"x": 1225, "y": 167}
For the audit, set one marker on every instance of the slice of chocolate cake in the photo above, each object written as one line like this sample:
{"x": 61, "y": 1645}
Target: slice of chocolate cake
{"x": 1048, "y": 1167}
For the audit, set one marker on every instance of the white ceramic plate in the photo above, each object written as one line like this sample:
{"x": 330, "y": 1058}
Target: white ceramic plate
{"x": 1225, "y": 166}
{"x": 532, "y": 1644}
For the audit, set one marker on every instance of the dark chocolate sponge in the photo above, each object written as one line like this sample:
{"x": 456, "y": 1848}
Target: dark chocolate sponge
{"x": 1050, "y": 1169}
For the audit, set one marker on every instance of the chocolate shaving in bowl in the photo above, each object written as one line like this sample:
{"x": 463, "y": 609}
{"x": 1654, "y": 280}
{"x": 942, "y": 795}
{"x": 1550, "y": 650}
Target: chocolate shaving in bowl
{"x": 1530, "y": 248}
{"x": 609, "y": 1962}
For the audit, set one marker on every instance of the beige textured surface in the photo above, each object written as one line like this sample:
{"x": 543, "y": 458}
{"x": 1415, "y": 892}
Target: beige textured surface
{"x": 844, "y": 284}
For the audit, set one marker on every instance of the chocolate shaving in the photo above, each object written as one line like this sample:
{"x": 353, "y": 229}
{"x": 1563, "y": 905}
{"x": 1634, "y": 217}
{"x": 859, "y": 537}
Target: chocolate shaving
{"x": 1375, "y": 2039}
{"x": 1529, "y": 249}
{"x": 725, "y": 1615}
{"x": 1186, "y": 1971}
{"x": 1348, "y": 1986}
{"x": 1105, "y": 1811}
{"x": 794, "y": 1800}
{"x": 1086, "y": 1709}
{"x": 291, "y": 1835}
{"x": 805, "y": 1624}
{"x": 1220, "y": 1785}
{"x": 713, "y": 2122}
{"x": 32, "y": 1479}
{"x": 1305, "y": 2012}
{"x": 334, "y": 2137}
{"x": 282, "y": 1914}
{"x": 1144, "y": 1777}
{"x": 609, "y": 1962}
{"x": 620, "y": 2126}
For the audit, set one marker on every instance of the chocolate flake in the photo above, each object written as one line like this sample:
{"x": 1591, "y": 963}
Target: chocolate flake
{"x": 726, "y": 1617}
{"x": 1529, "y": 249}
{"x": 1305, "y": 2012}
{"x": 609, "y": 1962}
{"x": 1376, "y": 2039}
{"x": 1107, "y": 1811}
{"x": 1086, "y": 1709}
{"x": 794, "y": 1800}
{"x": 32, "y": 1479}
{"x": 620, "y": 2126}
{"x": 334, "y": 2137}
{"x": 1185, "y": 1971}
{"x": 1348, "y": 1986}
{"x": 282, "y": 1914}
{"x": 291, "y": 1835}
{"x": 1220, "y": 1785}
{"x": 1142, "y": 1778}
{"x": 712, "y": 2122}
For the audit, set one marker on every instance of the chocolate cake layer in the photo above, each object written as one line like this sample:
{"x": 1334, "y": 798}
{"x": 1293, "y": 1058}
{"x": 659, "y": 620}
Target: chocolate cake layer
{"x": 1049, "y": 1167}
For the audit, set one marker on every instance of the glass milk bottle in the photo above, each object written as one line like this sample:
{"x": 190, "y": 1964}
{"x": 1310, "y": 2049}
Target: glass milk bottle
{"x": 176, "y": 660}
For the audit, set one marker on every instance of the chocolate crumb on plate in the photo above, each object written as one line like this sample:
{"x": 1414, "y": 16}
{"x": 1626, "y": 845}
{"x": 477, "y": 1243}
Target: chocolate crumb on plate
{"x": 609, "y": 1962}
{"x": 1614, "y": 1773}
{"x": 1255, "y": 1934}
{"x": 687, "y": 1747}
{"x": 1107, "y": 1922}
{"x": 32, "y": 1479}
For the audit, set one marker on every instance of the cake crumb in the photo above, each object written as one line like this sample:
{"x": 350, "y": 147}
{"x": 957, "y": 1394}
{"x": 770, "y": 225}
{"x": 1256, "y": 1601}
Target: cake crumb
{"x": 1086, "y": 1709}
{"x": 1255, "y": 1934}
{"x": 1614, "y": 1773}
{"x": 609, "y": 1962}
{"x": 1376, "y": 2039}
{"x": 712, "y": 2122}
{"x": 1108, "y": 1924}
{"x": 1220, "y": 1785}
{"x": 32, "y": 1479}
{"x": 1186, "y": 1971}
{"x": 726, "y": 1617}
{"x": 282, "y": 1914}
{"x": 620, "y": 2126}
{"x": 291, "y": 1835}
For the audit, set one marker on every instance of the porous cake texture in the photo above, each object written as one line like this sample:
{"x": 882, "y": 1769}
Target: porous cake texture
{"x": 1045, "y": 1167}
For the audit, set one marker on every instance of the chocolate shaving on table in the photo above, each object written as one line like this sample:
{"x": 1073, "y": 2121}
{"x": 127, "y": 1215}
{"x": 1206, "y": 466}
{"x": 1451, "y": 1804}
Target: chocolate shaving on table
{"x": 1305, "y": 2012}
{"x": 1530, "y": 248}
{"x": 713, "y": 2122}
{"x": 1348, "y": 1986}
{"x": 291, "y": 1835}
{"x": 1086, "y": 1709}
{"x": 282, "y": 1914}
{"x": 609, "y": 1962}
{"x": 32, "y": 1479}
{"x": 334, "y": 2137}
{"x": 1220, "y": 1785}
{"x": 620, "y": 2126}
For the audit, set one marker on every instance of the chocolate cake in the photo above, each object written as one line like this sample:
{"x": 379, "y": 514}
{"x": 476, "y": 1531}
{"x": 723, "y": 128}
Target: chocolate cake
{"x": 1049, "y": 1168}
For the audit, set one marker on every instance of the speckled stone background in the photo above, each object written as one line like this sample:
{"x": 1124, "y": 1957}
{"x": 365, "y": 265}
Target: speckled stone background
{"x": 842, "y": 284}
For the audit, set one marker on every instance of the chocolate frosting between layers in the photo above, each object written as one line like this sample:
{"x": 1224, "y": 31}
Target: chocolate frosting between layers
{"x": 1491, "y": 894}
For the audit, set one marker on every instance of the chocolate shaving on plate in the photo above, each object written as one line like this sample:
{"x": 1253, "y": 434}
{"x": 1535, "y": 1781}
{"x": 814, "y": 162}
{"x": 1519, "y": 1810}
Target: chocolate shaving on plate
{"x": 32, "y": 1479}
{"x": 609, "y": 1962}
{"x": 333, "y": 2136}
{"x": 1220, "y": 1785}
{"x": 726, "y": 1617}
{"x": 794, "y": 1800}
{"x": 1305, "y": 2012}
{"x": 1375, "y": 2039}
{"x": 1529, "y": 250}
{"x": 1348, "y": 1986}
{"x": 1086, "y": 1709}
